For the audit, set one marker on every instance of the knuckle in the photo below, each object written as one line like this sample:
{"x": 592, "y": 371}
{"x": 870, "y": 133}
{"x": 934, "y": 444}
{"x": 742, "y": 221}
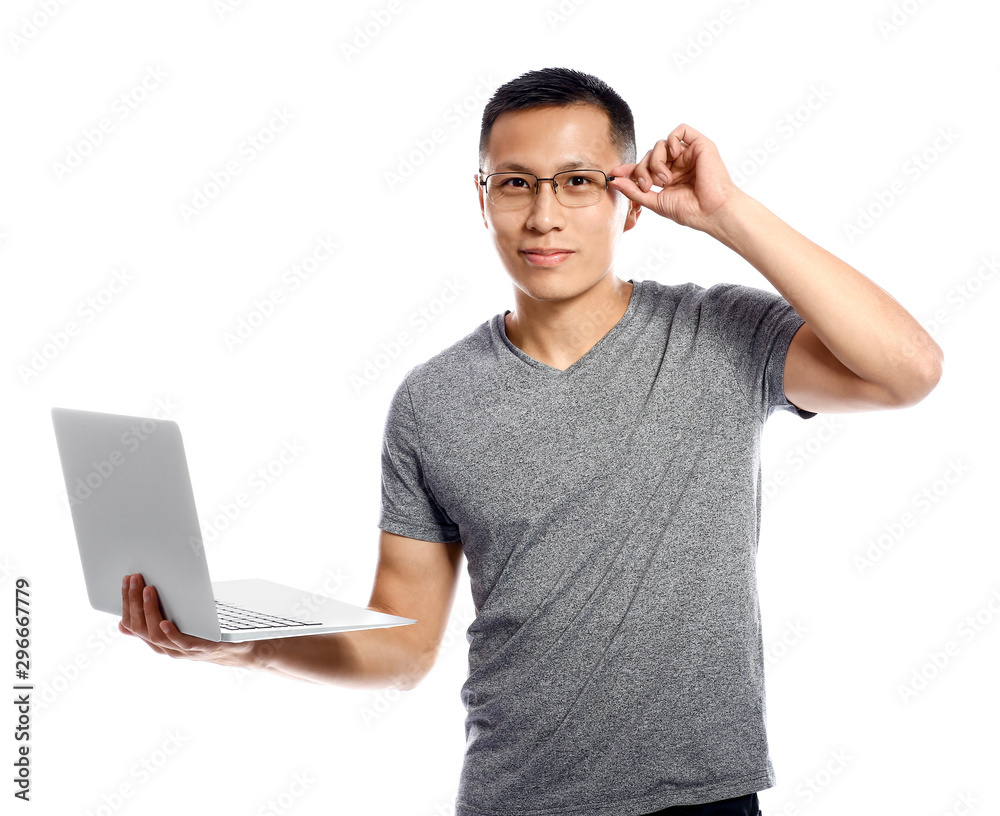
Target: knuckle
{"x": 159, "y": 640}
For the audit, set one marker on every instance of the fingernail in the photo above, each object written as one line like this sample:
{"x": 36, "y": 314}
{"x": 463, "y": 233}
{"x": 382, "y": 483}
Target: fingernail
{"x": 662, "y": 177}
{"x": 147, "y": 594}
{"x": 135, "y": 582}
{"x": 125, "y": 582}
{"x": 641, "y": 183}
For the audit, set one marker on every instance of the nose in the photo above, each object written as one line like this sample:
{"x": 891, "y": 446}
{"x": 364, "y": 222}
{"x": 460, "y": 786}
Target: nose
{"x": 545, "y": 211}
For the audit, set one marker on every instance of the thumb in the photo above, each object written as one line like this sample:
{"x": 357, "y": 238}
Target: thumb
{"x": 631, "y": 190}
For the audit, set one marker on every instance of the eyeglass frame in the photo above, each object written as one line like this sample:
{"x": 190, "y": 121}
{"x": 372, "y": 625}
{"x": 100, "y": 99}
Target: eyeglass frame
{"x": 607, "y": 181}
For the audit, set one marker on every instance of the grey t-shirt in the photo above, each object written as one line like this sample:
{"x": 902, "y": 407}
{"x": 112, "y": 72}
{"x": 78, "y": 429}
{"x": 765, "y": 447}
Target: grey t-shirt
{"x": 609, "y": 514}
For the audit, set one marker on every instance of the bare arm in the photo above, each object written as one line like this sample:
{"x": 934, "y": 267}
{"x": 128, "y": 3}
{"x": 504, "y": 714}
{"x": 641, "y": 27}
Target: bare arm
{"x": 859, "y": 349}
{"x": 414, "y": 579}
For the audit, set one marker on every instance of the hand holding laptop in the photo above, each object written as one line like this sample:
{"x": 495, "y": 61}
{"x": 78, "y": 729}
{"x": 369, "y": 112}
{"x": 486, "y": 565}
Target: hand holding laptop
{"x": 133, "y": 512}
{"x": 134, "y": 515}
{"x": 331, "y": 657}
{"x": 142, "y": 617}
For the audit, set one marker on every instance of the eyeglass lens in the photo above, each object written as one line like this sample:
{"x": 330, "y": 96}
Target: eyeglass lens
{"x": 574, "y": 188}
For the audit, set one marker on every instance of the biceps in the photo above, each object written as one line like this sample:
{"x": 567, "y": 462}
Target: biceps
{"x": 815, "y": 380}
{"x": 417, "y": 579}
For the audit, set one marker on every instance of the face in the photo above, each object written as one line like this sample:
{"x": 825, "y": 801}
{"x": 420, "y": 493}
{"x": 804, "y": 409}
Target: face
{"x": 545, "y": 141}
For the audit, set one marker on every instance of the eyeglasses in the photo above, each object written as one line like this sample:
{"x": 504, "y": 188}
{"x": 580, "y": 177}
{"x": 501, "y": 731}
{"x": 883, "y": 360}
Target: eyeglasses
{"x": 513, "y": 191}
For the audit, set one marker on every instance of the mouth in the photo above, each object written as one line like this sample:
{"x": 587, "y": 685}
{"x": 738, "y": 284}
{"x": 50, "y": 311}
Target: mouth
{"x": 540, "y": 256}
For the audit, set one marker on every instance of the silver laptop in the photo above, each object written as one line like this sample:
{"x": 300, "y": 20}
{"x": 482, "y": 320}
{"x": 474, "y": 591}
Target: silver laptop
{"x": 133, "y": 511}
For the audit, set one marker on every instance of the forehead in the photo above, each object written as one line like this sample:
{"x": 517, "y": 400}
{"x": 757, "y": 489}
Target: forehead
{"x": 550, "y": 139}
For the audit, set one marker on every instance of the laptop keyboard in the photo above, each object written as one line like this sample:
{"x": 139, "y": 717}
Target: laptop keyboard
{"x": 235, "y": 617}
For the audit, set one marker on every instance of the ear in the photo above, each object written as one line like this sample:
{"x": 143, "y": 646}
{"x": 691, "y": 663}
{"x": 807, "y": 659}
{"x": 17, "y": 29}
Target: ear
{"x": 633, "y": 215}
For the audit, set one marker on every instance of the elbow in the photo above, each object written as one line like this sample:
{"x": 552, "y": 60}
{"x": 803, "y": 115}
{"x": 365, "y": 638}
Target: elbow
{"x": 925, "y": 379}
{"x": 407, "y": 682}
{"x": 931, "y": 372}
{"x": 415, "y": 671}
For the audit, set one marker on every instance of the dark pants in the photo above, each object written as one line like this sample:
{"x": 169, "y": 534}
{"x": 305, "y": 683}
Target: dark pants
{"x": 737, "y": 806}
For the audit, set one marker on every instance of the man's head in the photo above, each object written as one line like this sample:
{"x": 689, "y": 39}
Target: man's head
{"x": 561, "y": 86}
{"x": 546, "y": 122}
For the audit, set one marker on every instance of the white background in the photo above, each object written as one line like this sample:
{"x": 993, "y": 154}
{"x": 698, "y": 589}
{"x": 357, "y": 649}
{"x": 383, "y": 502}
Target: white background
{"x": 850, "y": 93}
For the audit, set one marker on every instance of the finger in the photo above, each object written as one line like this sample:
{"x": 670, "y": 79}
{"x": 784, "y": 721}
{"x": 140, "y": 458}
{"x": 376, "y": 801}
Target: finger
{"x": 154, "y": 617}
{"x": 159, "y": 649}
{"x": 675, "y": 146}
{"x": 641, "y": 173}
{"x": 167, "y": 635}
{"x": 186, "y": 643}
{"x": 130, "y": 633}
{"x": 686, "y": 134}
{"x": 631, "y": 190}
{"x": 684, "y": 143}
{"x": 631, "y": 170}
{"x": 137, "y": 616}
{"x": 623, "y": 169}
{"x": 658, "y": 167}
{"x": 154, "y": 635}
{"x": 126, "y": 612}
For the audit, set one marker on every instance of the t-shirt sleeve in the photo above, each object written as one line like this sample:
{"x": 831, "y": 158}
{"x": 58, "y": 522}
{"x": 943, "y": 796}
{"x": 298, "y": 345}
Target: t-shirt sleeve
{"x": 408, "y": 506}
{"x": 756, "y": 327}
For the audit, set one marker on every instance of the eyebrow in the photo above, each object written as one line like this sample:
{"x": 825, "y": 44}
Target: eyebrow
{"x": 571, "y": 164}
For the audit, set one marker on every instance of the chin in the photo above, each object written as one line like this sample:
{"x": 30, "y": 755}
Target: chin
{"x": 551, "y": 283}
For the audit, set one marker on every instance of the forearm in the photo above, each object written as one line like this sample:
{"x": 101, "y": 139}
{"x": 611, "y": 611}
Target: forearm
{"x": 393, "y": 656}
{"x": 364, "y": 658}
{"x": 858, "y": 321}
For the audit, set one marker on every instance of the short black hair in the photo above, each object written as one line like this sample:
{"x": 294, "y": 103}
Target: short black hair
{"x": 561, "y": 86}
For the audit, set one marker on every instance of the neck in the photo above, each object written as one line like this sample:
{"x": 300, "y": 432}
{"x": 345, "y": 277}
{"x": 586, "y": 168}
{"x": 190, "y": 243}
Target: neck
{"x": 559, "y": 332}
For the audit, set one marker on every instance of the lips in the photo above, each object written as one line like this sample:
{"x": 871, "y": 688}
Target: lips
{"x": 546, "y": 256}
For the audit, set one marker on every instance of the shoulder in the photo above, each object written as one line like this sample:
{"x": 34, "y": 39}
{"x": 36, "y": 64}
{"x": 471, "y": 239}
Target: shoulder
{"x": 729, "y": 300}
{"x": 655, "y": 295}
{"x": 679, "y": 300}
{"x": 453, "y": 366}
{"x": 728, "y": 293}
{"x": 676, "y": 293}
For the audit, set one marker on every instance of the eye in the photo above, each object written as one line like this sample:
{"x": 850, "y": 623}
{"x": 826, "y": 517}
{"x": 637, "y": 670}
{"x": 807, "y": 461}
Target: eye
{"x": 578, "y": 181}
{"x": 513, "y": 182}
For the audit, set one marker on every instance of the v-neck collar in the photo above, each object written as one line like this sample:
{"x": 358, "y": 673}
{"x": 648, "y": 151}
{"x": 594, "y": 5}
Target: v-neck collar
{"x": 608, "y": 339}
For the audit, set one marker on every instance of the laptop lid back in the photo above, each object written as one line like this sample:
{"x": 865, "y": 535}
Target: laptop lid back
{"x": 133, "y": 511}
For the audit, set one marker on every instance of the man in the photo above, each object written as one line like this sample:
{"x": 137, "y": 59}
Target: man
{"x": 594, "y": 454}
